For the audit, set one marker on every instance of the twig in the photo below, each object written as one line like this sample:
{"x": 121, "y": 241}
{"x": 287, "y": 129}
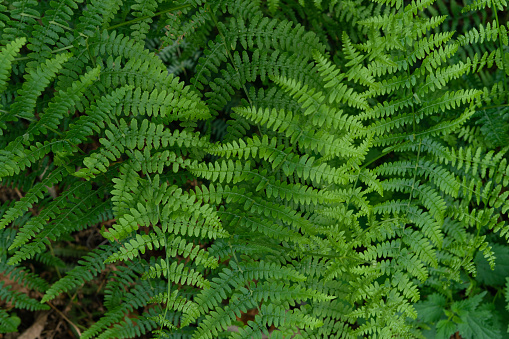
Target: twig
{"x": 65, "y": 318}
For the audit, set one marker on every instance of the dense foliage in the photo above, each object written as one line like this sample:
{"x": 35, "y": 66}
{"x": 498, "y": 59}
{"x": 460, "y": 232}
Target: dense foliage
{"x": 338, "y": 166}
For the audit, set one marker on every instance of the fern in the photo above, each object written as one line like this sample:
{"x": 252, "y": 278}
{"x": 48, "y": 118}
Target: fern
{"x": 324, "y": 165}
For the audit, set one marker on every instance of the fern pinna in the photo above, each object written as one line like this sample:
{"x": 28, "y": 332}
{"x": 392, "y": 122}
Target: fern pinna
{"x": 337, "y": 167}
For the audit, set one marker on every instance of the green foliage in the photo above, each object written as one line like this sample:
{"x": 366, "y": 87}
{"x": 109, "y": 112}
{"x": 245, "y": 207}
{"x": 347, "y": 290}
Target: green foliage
{"x": 339, "y": 168}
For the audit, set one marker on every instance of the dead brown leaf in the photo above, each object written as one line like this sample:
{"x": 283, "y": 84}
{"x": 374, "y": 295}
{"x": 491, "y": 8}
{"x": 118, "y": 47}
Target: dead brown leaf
{"x": 34, "y": 331}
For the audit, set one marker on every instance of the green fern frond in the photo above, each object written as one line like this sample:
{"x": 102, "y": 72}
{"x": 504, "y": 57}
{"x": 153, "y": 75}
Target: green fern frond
{"x": 7, "y": 55}
{"x": 19, "y": 299}
{"x": 36, "y": 81}
{"x": 89, "y": 267}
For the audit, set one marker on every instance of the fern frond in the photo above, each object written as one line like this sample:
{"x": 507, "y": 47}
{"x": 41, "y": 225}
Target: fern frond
{"x": 136, "y": 297}
{"x": 174, "y": 245}
{"x": 19, "y": 299}
{"x": 90, "y": 266}
{"x": 7, "y": 55}
{"x": 35, "y": 82}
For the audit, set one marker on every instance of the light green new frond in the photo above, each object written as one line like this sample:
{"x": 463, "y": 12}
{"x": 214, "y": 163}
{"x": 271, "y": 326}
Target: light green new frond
{"x": 274, "y": 315}
{"x": 178, "y": 212}
{"x": 476, "y": 162}
{"x": 219, "y": 319}
{"x": 438, "y": 56}
{"x": 439, "y": 78}
{"x": 421, "y": 246}
{"x": 266, "y": 270}
{"x": 174, "y": 246}
{"x": 339, "y": 92}
{"x": 481, "y": 4}
{"x": 224, "y": 171}
{"x": 170, "y": 104}
{"x": 314, "y": 103}
{"x": 177, "y": 273}
{"x": 488, "y": 32}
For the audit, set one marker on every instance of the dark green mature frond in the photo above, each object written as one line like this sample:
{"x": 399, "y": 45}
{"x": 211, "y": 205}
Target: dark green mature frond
{"x": 19, "y": 299}
{"x": 136, "y": 297}
{"x": 36, "y": 81}
{"x": 90, "y": 266}
{"x": 7, "y": 55}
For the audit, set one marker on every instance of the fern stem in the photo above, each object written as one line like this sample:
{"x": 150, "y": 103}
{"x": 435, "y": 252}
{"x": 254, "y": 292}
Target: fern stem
{"x": 240, "y": 269}
{"x": 30, "y": 16}
{"x": 384, "y": 153}
{"x": 52, "y": 52}
{"x": 334, "y": 256}
{"x": 415, "y": 173}
{"x": 73, "y": 325}
{"x": 68, "y": 28}
{"x": 148, "y": 16}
